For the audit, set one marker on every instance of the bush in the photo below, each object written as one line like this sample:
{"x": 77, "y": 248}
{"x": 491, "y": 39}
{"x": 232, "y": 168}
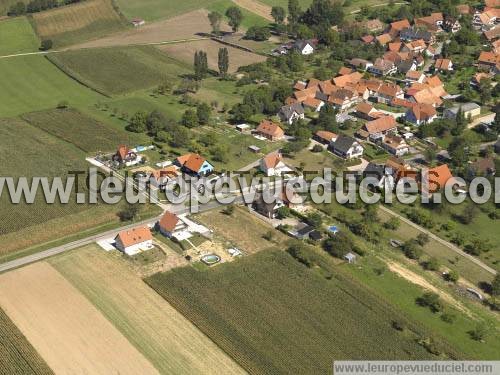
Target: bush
{"x": 46, "y": 45}
{"x": 398, "y": 325}
{"x": 317, "y": 148}
{"x": 423, "y": 239}
{"x": 430, "y": 300}
{"x": 229, "y": 210}
{"x": 479, "y": 333}
{"x": 452, "y": 276}
{"x": 392, "y": 224}
{"x": 448, "y": 318}
{"x": 258, "y": 33}
{"x": 431, "y": 265}
{"x": 412, "y": 250}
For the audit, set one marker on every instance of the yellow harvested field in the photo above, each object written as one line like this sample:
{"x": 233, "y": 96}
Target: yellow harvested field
{"x": 185, "y": 52}
{"x": 70, "y": 334}
{"x": 165, "y": 337}
{"x": 74, "y": 17}
{"x": 256, "y": 7}
{"x": 191, "y": 25}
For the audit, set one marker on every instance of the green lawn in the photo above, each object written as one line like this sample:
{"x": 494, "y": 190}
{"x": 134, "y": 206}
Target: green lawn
{"x": 274, "y": 315}
{"x": 17, "y": 36}
{"x": 121, "y": 70}
{"x": 32, "y": 83}
{"x": 304, "y": 4}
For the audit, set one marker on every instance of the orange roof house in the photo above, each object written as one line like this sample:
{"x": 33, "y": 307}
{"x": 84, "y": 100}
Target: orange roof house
{"x": 438, "y": 178}
{"x": 397, "y": 26}
{"x": 194, "y": 163}
{"x": 443, "y": 64}
{"x": 382, "y": 125}
{"x": 344, "y": 71}
{"x": 270, "y": 130}
{"x": 384, "y": 39}
{"x": 133, "y": 241}
{"x": 168, "y": 223}
{"x": 421, "y": 114}
{"x": 342, "y": 81}
{"x": 325, "y": 137}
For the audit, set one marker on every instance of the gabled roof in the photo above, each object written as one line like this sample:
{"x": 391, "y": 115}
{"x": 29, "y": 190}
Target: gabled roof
{"x": 443, "y": 64}
{"x": 438, "y": 177}
{"x": 381, "y": 124}
{"x": 122, "y": 151}
{"x": 326, "y": 135}
{"x": 192, "y": 162}
{"x": 134, "y": 236}
{"x": 168, "y": 221}
{"x": 489, "y": 58}
{"x": 348, "y": 78}
{"x": 414, "y": 75}
{"x": 394, "y": 46}
{"x": 394, "y": 142}
{"x": 423, "y": 112}
{"x": 389, "y": 89}
{"x": 343, "y": 143}
{"x": 384, "y": 39}
{"x": 270, "y": 128}
{"x": 272, "y": 160}
{"x": 400, "y": 25}
{"x": 289, "y": 110}
{"x": 364, "y": 107}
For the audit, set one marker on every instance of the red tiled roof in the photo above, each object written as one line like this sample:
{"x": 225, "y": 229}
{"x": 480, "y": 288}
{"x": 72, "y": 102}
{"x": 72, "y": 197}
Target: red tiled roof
{"x": 135, "y": 236}
{"x": 380, "y": 125}
{"x": 270, "y": 128}
{"x": 168, "y": 221}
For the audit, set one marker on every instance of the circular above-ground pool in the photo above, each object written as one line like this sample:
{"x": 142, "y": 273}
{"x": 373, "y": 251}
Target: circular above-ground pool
{"x": 210, "y": 259}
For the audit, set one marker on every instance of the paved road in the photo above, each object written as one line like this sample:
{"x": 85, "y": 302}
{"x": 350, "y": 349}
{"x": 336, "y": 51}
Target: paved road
{"x": 441, "y": 241}
{"x": 91, "y": 239}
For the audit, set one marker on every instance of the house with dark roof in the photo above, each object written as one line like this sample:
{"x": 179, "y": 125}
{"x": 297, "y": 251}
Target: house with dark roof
{"x": 305, "y": 47}
{"x": 412, "y": 33}
{"x": 383, "y": 67}
{"x": 381, "y": 174}
{"x": 267, "y": 205}
{"x": 291, "y": 113}
{"x": 346, "y": 147}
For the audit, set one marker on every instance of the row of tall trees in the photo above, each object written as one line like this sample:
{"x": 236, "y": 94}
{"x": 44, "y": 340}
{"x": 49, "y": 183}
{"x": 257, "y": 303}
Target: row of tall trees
{"x": 201, "y": 64}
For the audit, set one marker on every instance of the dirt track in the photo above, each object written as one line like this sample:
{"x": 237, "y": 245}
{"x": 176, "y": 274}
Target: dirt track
{"x": 186, "y": 26}
{"x": 68, "y": 332}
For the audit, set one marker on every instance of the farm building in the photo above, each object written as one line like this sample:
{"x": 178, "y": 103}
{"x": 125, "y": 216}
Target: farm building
{"x": 134, "y": 241}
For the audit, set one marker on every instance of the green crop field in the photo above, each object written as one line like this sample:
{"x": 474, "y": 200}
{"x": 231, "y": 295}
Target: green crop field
{"x": 17, "y": 36}
{"x": 304, "y": 4}
{"x": 78, "y": 22}
{"x": 84, "y": 132}
{"x": 32, "y": 83}
{"x": 121, "y": 70}
{"x": 28, "y": 151}
{"x": 273, "y": 315}
{"x": 151, "y": 10}
{"x": 17, "y": 356}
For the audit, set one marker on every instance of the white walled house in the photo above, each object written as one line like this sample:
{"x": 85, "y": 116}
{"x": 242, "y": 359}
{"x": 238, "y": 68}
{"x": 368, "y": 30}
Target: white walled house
{"x": 346, "y": 147}
{"x": 134, "y": 241}
{"x": 273, "y": 165}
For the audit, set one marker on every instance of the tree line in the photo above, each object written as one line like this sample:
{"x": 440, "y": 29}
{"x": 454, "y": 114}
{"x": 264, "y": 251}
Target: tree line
{"x": 35, "y": 6}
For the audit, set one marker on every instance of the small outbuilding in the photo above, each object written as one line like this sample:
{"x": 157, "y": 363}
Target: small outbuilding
{"x": 350, "y": 258}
